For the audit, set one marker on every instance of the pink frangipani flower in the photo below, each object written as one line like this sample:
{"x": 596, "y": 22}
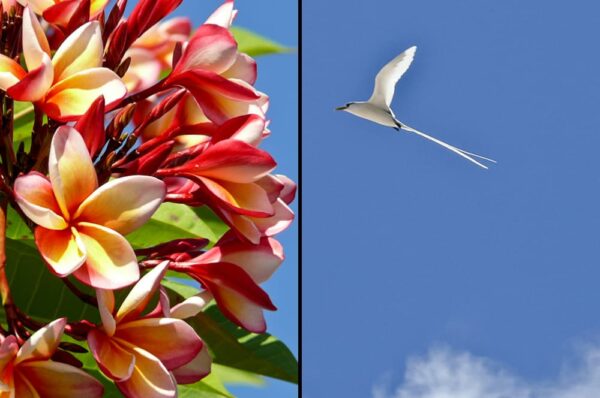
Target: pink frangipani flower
{"x": 138, "y": 353}
{"x": 28, "y": 371}
{"x": 65, "y": 85}
{"x": 231, "y": 272}
{"x": 80, "y": 225}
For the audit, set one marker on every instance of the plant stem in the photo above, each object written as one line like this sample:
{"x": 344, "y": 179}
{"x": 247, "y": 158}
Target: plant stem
{"x": 15, "y": 326}
{"x": 86, "y": 298}
{"x": 4, "y": 288}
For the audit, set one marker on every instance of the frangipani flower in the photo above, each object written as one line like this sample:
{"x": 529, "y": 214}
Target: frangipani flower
{"x": 227, "y": 173}
{"x": 216, "y": 74}
{"x": 28, "y": 371}
{"x": 160, "y": 40}
{"x": 253, "y": 228}
{"x": 188, "y": 126}
{"x": 182, "y": 114}
{"x": 139, "y": 353}
{"x": 231, "y": 272}
{"x": 80, "y": 225}
{"x": 66, "y": 85}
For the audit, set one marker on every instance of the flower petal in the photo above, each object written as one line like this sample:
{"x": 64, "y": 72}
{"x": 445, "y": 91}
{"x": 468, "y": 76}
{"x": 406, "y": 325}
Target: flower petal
{"x": 73, "y": 96}
{"x": 97, "y": 6}
{"x": 63, "y": 250}
{"x": 10, "y": 72}
{"x": 259, "y": 261}
{"x": 114, "y": 361}
{"x": 278, "y": 222}
{"x": 289, "y": 188}
{"x": 150, "y": 378}
{"x": 194, "y": 370}
{"x": 21, "y": 387}
{"x": 38, "y": 6}
{"x": 171, "y": 340}
{"x": 123, "y": 204}
{"x": 43, "y": 343}
{"x": 211, "y": 48}
{"x": 233, "y": 161}
{"x": 106, "y": 307}
{"x": 244, "y": 68}
{"x": 35, "y": 84}
{"x": 236, "y": 294}
{"x": 216, "y": 94}
{"x": 223, "y": 16}
{"x": 243, "y": 226}
{"x": 246, "y": 128}
{"x": 66, "y": 14}
{"x": 111, "y": 262}
{"x": 71, "y": 170}
{"x": 247, "y": 199}
{"x": 191, "y": 306}
{"x": 272, "y": 186}
{"x": 144, "y": 70}
{"x": 91, "y": 126}
{"x": 35, "y": 44}
{"x": 239, "y": 309}
{"x": 59, "y": 380}
{"x": 140, "y": 294}
{"x": 34, "y": 195}
{"x": 8, "y": 351}
{"x": 82, "y": 50}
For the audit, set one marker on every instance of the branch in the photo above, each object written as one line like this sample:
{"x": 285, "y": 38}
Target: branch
{"x": 86, "y": 298}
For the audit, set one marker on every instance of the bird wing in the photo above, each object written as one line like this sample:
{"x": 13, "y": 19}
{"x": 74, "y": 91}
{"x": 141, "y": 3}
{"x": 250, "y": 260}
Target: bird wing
{"x": 388, "y": 76}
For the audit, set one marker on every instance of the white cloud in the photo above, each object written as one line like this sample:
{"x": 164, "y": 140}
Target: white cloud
{"x": 444, "y": 373}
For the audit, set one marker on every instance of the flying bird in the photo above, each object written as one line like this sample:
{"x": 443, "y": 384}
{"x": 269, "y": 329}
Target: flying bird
{"x": 377, "y": 108}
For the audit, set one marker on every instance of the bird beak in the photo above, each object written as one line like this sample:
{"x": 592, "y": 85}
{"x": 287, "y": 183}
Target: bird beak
{"x": 340, "y": 108}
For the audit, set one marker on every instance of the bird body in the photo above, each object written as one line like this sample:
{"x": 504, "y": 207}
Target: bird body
{"x": 377, "y": 108}
{"x": 374, "y": 113}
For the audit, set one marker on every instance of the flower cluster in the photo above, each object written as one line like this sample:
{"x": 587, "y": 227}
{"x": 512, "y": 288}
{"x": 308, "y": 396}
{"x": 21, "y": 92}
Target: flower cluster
{"x": 130, "y": 113}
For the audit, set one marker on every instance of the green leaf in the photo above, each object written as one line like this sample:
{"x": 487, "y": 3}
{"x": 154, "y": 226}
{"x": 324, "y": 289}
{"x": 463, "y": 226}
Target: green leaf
{"x": 175, "y": 221}
{"x": 209, "y": 387}
{"x": 236, "y": 376}
{"x": 255, "y": 45}
{"x": 23, "y": 122}
{"x": 39, "y": 293}
{"x": 234, "y": 346}
{"x": 16, "y": 228}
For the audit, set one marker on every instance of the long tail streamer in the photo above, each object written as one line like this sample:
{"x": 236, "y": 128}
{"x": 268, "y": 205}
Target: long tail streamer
{"x": 467, "y": 155}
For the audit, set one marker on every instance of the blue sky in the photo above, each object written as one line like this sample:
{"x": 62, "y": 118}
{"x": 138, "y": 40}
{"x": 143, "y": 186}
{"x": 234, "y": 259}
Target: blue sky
{"x": 406, "y": 246}
{"x": 277, "y": 76}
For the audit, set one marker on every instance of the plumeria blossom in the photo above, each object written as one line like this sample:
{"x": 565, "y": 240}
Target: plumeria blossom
{"x": 80, "y": 225}
{"x": 271, "y": 193}
{"x": 151, "y": 54}
{"x": 282, "y": 193}
{"x": 228, "y": 173}
{"x": 182, "y": 114}
{"x": 217, "y": 75}
{"x": 65, "y": 85}
{"x": 188, "y": 126}
{"x": 231, "y": 272}
{"x": 160, "y": 40}
{"x": 28, "y": 371}
{"x": 137, "y": 352}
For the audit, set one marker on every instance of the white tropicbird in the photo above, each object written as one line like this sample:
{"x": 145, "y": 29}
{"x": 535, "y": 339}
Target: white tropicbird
{"x": 377, "y": 108}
